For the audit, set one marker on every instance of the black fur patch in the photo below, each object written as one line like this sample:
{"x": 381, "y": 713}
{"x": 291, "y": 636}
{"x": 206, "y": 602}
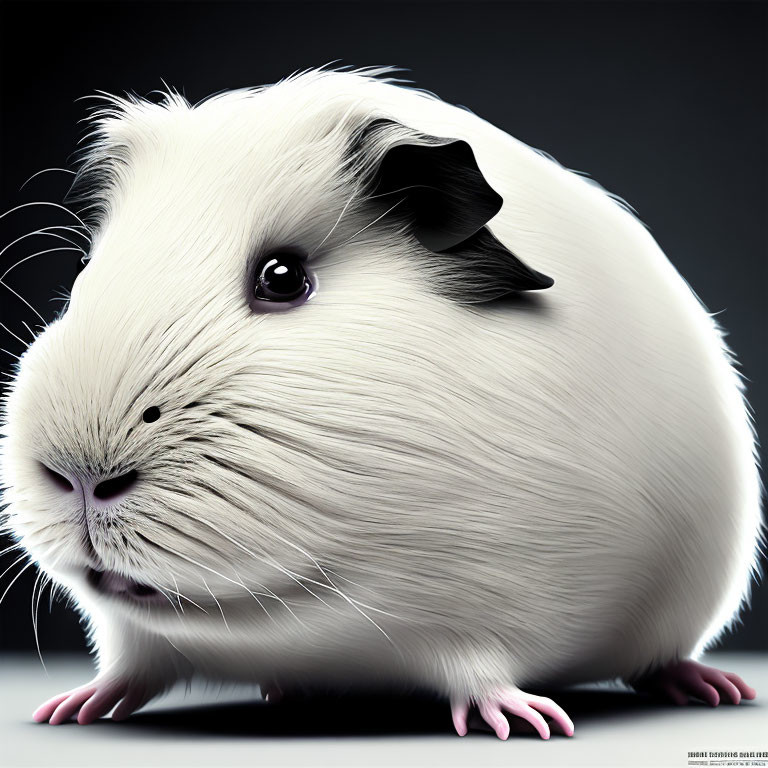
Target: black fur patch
{"x": 448, "y": 202}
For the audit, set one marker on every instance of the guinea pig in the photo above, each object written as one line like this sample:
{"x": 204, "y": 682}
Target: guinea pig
{"x": 358, "y": 391}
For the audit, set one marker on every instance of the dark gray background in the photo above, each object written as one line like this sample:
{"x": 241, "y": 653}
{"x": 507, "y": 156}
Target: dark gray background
{"x": 662, "y": 103}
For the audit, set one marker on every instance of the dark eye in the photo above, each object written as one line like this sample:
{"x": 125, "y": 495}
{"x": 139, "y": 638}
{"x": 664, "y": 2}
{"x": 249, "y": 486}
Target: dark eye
{"x": 280, "y": 278}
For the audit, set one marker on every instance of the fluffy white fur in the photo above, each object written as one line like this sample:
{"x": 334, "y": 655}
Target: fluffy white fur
{"x": 382, "y": 485}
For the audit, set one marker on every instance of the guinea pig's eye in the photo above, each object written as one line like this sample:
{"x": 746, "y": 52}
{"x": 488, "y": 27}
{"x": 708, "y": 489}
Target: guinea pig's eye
{"x": 281, "y": 281}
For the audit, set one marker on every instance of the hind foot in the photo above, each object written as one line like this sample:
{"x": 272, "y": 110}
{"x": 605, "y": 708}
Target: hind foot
{"x": 681, "y": 680}
{"x": 516, "y": 702}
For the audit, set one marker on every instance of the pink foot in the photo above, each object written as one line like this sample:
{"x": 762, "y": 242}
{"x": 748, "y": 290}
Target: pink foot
{"x": 680, "y": 680}
{"x": 92, "y": 701}
{"x": 517, "y": 702}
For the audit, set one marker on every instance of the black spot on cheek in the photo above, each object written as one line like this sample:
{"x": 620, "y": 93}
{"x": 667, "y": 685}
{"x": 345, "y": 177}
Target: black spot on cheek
{"x": 151, "y": 414}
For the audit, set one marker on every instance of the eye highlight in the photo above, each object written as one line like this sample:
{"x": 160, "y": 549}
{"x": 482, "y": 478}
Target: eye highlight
{"x": 279, "y": 281}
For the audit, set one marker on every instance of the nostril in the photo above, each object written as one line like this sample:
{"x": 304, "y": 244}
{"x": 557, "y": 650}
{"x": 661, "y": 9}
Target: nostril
{"x": 115, "y": 486}
{"x": 58, "y": 480}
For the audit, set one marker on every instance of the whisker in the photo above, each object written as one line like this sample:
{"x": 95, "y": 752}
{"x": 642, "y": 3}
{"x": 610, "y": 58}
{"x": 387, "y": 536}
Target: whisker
{"x": 30, "y": 563}
{"x": 35, "y": 610}
{"x": 253, "y": 594}
{"x": 176, "y": 584}
{"x": 402, "y": 189}
{"x": 173, "y": 605}
{"x": 216, "y": 573}
{"x": 44, "y": 232}
{"x": 15, "y": 562}
{"x": 39, "y": 253}
{"x": 333, "y": 587}
{"x": 45, "y": 170}
{"x": 11, "y": 548}
{"x": 52, "y": 595}
{"x": 274, "y": 564}
{"x": 31, "y": 332}
{"x": 378, "y": 218}
{"x": 21, "y": 298}
{"x": 46, "y": 202}
{"x": 221, "y": 610}
{"x": 322, "y": 242}
{"x": 189, "y": 600}
{"x": 2, "y": 349}
{"x": 290, "y": 575}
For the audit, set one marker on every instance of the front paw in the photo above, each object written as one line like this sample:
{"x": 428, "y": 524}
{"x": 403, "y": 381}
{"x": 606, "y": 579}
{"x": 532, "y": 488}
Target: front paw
{"x": 93, "y": 700}
{"x": 516, "y": 702}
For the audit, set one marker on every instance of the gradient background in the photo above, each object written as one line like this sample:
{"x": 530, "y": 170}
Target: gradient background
{"x": 662, "y": 103}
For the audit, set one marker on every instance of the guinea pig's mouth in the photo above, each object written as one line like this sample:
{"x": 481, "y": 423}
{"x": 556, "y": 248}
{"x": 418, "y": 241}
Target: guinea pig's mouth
{"x": 116, "y": 585}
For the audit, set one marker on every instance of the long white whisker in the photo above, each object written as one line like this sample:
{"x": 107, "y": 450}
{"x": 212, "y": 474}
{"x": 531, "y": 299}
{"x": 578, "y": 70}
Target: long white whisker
{"x": 189, "y": 600}
{"x": 30, "y": 563}
{"x": 205, "y": 567}
{"x": 346, "y": 597}
{"x": 253, "y": 594}
{"x": 43, "y": 232}
{"x": 322, "y": 242}
{"x": 39, "y": 253}
{"x": 167, "y": 597}
{"x": 21, "y": 298}
{"x": 221, "y": 575}
{"x": 45, "y": 170}
{"x": 378, "y": 218}
{"x": 221, "y": 611}
{"x": 35, "y": 610}
{"x": 15, "y": 562}
{"x": 176, "y": 584}
{"x": 45, "y": 202}
{"x": 11, "y": 548}
{"x": 292, "y": 576}
{"x": 274, "y": 564}
{"x": 31, "y": 332}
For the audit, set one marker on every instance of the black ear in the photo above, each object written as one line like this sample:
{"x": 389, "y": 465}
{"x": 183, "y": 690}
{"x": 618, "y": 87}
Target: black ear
{"x": 447, "y": 196}
{"x": 448, "y": 202}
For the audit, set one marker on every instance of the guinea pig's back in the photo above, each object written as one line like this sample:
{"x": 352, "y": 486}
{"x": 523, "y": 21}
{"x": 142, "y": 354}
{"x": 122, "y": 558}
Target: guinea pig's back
{"x": 645, "y": 444}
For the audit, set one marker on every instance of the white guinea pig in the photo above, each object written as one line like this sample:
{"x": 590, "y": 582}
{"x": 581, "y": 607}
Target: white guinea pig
{"x": 358, "y": 390}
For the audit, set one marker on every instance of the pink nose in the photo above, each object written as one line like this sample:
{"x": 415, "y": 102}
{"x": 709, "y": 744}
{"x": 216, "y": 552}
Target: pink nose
{"x": 94, "y": 492}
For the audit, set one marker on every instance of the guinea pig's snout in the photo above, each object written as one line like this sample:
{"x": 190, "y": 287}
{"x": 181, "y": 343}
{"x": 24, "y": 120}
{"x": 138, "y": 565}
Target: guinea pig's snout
{"x": 93, "y": 492}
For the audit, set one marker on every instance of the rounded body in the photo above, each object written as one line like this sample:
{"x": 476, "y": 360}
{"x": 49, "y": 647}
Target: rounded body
{"x": 553, "y": 487}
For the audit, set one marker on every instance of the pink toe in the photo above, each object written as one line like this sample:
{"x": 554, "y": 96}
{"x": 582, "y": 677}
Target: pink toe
{"x": 728, "y": 691}
{"x": 44, "y": 711}
{"x": 536, "y": 720}
{"x": 459, "y": 712}
{"x": 549, "y": 708}
{"x": 495, "y": 718}
{"x": 99, "y": 704}
{"x": 69, "y": 706}
{"x": 746, "y": 691}
{"x": 705, "y": 692}
{"x": 133, "y": 700}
